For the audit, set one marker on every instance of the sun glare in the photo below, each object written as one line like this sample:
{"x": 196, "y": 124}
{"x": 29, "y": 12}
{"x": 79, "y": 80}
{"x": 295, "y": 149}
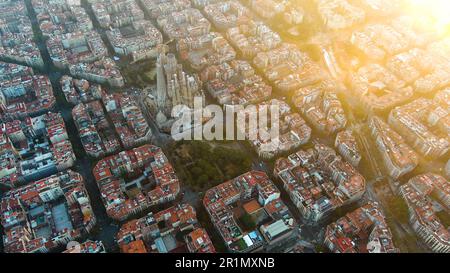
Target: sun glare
{"x": 438, "y": 10}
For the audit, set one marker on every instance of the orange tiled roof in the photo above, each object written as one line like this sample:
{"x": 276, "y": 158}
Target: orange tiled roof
{"x": 134, "y": 247}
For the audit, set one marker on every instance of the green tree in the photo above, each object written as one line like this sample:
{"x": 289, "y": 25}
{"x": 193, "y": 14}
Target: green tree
{"x": 399, "y": 209}
{"x": 202, "y": 180}
{"x": 196, "y": 171}
{"x": 247, "y": 222}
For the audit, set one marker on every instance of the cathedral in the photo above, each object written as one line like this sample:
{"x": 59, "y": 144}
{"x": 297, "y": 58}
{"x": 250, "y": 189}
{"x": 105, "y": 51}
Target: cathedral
{"x": 173, "y": 87}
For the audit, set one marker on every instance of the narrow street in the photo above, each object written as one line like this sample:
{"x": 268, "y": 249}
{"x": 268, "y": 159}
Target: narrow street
{"x": 106, "y": 229}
